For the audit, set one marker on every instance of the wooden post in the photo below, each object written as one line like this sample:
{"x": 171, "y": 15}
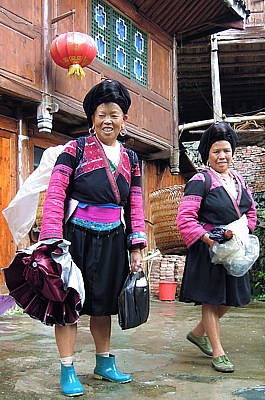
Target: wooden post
{"x": 174, "y": 160}
{"x": 216, "y": 92}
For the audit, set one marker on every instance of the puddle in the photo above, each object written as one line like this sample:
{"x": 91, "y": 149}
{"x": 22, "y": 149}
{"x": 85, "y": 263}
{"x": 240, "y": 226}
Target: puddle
{"x": 255, "y": 393}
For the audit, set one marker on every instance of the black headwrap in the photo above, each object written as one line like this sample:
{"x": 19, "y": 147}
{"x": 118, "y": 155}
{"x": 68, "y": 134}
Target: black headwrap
{"x": 217, "y": 131}
{"x": 107, "y": 91}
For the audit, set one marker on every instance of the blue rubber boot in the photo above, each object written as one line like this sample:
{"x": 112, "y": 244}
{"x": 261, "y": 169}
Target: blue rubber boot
{"x": 106, "y": 369}
{"x": 70, "y": 384}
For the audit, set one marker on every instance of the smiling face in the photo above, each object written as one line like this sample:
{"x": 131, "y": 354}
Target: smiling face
{"x": 220, "y": 156}
{"x": 108, "y": 120}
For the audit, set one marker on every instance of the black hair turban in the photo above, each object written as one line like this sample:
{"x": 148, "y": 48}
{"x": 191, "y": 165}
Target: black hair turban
{"x": 217, "y": 131}
{"x": 107, "y": 91}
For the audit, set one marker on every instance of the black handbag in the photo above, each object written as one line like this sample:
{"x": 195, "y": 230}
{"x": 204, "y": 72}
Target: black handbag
{"x": 134, "y": 301}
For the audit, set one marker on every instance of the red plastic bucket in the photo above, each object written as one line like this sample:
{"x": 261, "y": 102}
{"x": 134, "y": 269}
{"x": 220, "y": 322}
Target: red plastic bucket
{"x": 167, "y": 290}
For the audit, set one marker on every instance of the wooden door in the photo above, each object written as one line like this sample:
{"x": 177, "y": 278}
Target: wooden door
{"x": 7, "y": 192}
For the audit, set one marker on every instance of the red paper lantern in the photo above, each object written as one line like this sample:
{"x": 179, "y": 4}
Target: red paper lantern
{"x": 73, "y": 50}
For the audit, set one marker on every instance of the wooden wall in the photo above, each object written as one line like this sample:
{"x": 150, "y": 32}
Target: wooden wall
{"x": 21, "y": 48}
{"x": 150, "y": 112}
{"x": 28, "y": 70}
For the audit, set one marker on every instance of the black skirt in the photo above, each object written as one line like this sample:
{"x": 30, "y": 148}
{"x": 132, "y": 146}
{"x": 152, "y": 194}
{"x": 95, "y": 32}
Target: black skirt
{"x": 103, "y": 260}
{"x": 204, "y": 282}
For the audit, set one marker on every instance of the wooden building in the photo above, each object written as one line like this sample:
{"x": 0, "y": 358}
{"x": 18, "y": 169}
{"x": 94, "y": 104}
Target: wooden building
{"x": 241, "y": 67}
{"x": 31, "y": 85}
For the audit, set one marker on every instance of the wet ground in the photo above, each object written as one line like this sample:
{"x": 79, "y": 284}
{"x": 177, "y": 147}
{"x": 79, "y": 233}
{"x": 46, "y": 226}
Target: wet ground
{"x": 163, "y": 364}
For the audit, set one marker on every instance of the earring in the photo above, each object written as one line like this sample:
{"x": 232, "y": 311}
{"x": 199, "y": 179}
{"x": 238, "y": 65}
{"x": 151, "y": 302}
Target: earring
{"x": 91, "y": 131}
{"x": 123, "y": 132}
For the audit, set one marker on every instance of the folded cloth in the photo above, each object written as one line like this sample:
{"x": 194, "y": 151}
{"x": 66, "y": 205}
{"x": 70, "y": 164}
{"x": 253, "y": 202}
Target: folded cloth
{"x": 220, "y": 234}
{"x": 46, "y": 283}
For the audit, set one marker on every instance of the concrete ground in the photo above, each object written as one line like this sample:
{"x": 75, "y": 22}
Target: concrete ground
{"x": 163, "y": 364}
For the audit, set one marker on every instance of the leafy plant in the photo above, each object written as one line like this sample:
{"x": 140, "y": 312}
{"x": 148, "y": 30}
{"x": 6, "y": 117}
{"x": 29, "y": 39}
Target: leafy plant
{"x": 257, "y": 273}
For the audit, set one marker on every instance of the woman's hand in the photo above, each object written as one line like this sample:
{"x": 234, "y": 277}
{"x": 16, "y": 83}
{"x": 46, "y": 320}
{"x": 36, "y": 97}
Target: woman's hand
{"x": 136, "y": 261}
{"x": 206, "y": 239}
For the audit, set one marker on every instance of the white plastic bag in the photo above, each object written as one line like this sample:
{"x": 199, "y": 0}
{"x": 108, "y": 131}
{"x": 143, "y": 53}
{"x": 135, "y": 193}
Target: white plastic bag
{"x": 240, "y": 252}
{"x": 240, "y": 266}
{"x": 20, "y": 214}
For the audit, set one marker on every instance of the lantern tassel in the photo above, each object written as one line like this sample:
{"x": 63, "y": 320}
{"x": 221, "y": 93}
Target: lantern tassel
{"x": 76, "y": 70}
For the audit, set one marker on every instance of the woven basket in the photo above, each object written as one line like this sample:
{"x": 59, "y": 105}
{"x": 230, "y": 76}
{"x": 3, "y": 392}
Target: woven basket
{"x": 164, "y": 207}
{"x": 38, "y": 221}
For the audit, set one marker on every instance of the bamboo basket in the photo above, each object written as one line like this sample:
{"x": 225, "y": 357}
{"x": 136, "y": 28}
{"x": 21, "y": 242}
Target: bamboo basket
{"x": 38, "y": 221}
{"x": 164, "y": 207}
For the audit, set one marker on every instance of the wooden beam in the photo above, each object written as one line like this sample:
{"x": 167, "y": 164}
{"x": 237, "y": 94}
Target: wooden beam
{"x": 159, "y": 155}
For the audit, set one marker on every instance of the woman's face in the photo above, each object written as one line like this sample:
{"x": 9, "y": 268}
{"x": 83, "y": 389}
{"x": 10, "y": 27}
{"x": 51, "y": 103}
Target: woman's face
{"x": 220, "y": 156}
{"x": 108, "y": 121}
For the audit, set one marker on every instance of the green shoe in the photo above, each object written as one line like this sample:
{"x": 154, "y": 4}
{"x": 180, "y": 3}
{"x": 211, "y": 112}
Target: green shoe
{"x": 222, "y": 364}
{"x": 202, "y": 342}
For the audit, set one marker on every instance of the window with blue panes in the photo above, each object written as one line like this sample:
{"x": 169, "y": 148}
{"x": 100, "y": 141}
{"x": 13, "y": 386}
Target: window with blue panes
{"x": 121, "y": 44}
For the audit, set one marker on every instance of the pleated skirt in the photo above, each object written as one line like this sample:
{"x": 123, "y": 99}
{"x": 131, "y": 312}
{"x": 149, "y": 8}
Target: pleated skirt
{"x": 103, "y": 260}
{"x": 204, "y": 282}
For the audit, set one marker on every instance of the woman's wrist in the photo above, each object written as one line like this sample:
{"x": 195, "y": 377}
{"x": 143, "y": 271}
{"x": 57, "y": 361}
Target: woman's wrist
{"x": 136, "y": 251}
{"x": 203, "y": 236}
{"x": 206, "y": 239}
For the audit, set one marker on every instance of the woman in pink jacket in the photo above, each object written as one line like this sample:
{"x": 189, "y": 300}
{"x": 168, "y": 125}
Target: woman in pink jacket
{"x": 103, "y": 190}
{"x": 214, "y": 197}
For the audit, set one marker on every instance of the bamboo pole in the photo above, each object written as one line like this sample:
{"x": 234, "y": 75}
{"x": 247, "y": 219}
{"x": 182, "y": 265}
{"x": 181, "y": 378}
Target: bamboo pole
{"x": 198, "y": 124}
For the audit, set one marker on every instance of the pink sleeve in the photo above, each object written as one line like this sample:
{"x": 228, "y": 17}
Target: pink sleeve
{"x": 187, "y": 220}
{"x": 251, "y": 214}
{"x": 137, "y": 234}
{"x": 53, "y": 208}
